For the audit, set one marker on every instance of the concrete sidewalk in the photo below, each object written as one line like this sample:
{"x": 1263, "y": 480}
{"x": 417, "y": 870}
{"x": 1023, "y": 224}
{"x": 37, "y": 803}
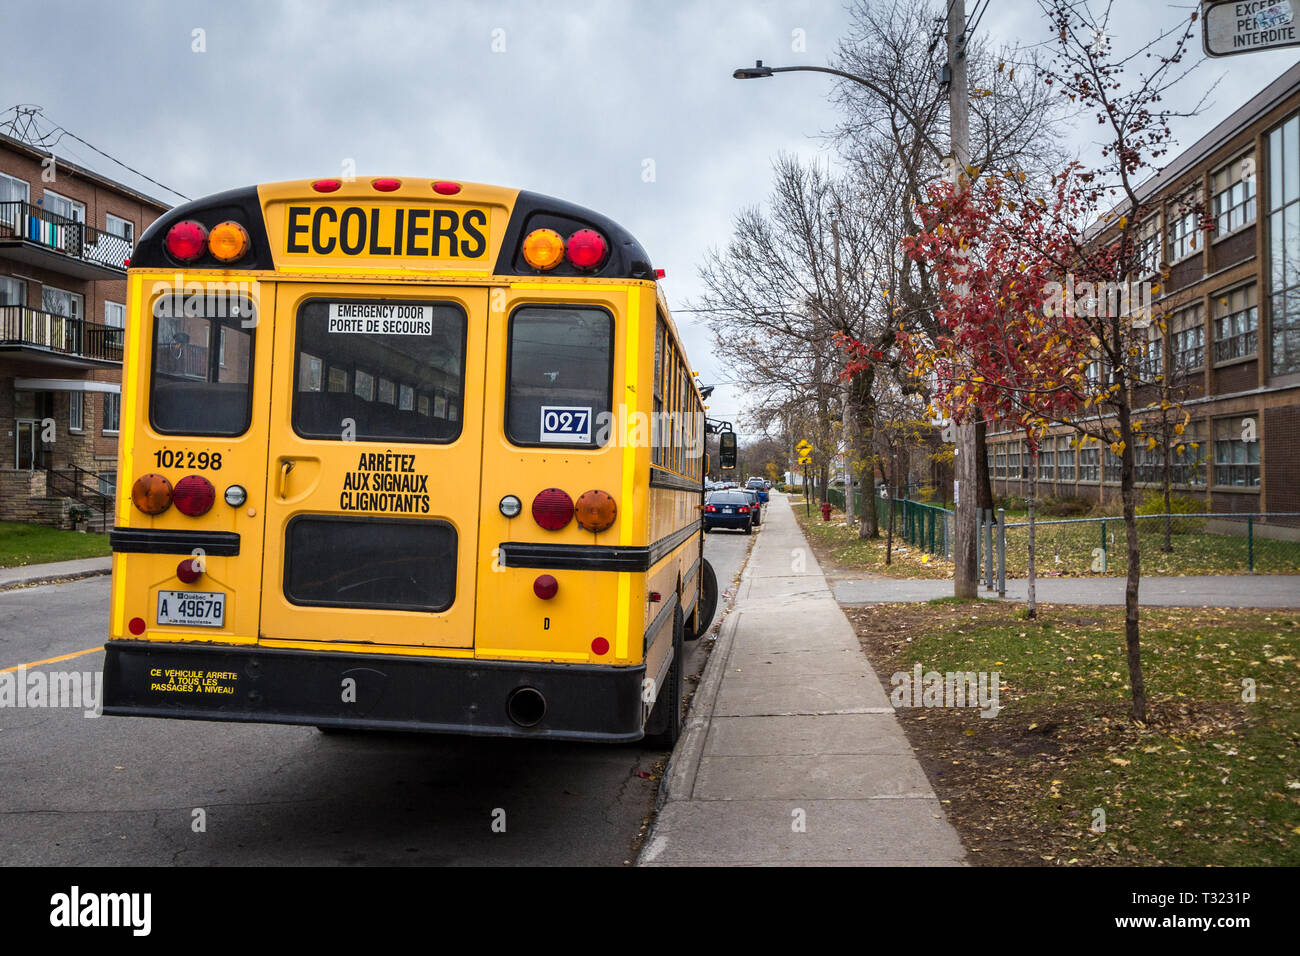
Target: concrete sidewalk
{"x": 31, "y": 574}
{"x": 792, "y": 754}
{"x": 1226, "y": 590}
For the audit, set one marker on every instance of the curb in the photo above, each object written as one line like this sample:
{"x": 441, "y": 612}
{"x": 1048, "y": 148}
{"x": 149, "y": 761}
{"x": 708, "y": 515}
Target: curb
{"x": 679, "y": 776}
{"x": 53, "y": 579}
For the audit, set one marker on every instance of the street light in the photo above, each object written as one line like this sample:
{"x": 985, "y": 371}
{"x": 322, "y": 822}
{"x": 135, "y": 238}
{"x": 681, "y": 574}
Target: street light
{"x": 758, "y": 71}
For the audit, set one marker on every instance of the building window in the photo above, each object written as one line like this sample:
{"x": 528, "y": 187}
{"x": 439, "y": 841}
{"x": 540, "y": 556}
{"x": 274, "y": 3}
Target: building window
{"x": 1000, "y": 461}
{"x": 74, "y": 412}
{"x": 115, "y": 319}
{"x": 1234, "y": 195}
{"x": 1013, "y": 461}
{"x": 1187, "y": 457}
{"x": 112, "y": 412}
{"x": 12, "y": 291}
{"x": 1065, "y": 459}
{"x": 1148, "y": 246}
{"x": 1188, "y": 340}
{"x": 1088, "y": 468}
{"x": 63, "y": 206}
{"x": 1111, "y": 465}
{"x": 1046, "y": 461}
{"x": 1150, "y": 364}
{"x": 1236, "y": 324}
{"x": 1148, "y": 464}
{"x": 1236, "y": 461}
{"x": 1182, "y": 228}
{"x": 118, "y": 226}
{"x": 61, "y": 302}
{"x": 1284, "y": 245}
{"x": 12, "y": 192}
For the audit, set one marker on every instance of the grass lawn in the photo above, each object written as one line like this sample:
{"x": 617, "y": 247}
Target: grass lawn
{"x": 840, "y": 542}
{"x": 1212, "y": 780}
{"x": 36, "y": 544}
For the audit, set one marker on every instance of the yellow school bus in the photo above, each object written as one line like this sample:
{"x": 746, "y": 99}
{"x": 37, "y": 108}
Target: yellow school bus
{"x": 406, "y": 454}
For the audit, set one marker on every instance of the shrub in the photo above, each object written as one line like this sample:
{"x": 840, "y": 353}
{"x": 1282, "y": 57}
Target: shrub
{"x": 1153, "y": 503}
{"x": 1067, "y": 507}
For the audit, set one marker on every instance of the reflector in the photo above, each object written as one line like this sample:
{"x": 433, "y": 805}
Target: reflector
{"x": 552, "y": 509}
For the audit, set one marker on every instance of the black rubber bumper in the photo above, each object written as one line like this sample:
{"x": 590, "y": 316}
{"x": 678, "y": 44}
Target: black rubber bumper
{"x": 380, "y": 692}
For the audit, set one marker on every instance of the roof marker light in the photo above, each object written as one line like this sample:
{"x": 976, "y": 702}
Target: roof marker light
{"x": 326, "y": 185}
{"x": 386, "y": 185}
{"x": 444, "y": 188}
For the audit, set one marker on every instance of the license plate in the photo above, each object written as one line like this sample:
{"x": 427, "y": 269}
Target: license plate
{"x": 192, "y": 608}
{"x": 728, "y": 511}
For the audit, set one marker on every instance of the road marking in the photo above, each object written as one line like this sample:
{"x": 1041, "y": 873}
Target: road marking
{"x": 53, "y": 660}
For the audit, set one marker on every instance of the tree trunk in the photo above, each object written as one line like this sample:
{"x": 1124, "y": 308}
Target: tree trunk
{"x": 1132, "y": 636}
{"x": 1032, "y": 611}
{"x": 869, "y": 526}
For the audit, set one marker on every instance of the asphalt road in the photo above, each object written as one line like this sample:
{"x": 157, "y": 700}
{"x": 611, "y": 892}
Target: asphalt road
{"x": 125, "y": 791}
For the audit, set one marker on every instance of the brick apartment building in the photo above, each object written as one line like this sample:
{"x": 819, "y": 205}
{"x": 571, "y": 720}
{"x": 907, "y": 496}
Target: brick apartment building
{"x": 1231, "y": 300}
{"x": 65, "y": 236}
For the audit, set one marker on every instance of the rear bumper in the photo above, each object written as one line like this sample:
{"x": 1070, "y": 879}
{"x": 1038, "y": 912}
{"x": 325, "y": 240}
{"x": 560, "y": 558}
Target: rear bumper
{"x": 727, "y": 521}
{"x": 379, "y": 692}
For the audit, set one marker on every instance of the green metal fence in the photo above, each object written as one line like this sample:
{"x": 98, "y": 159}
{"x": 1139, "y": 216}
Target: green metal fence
{"x": 927, "y": 527}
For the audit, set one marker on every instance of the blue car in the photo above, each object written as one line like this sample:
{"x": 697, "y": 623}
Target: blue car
{"x": 729, "y": 509}
{"x": 759, "y": 485}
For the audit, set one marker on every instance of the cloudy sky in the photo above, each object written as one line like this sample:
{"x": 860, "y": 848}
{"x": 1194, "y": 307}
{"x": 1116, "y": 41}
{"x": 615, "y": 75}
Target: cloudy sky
{"x": 574, "y": 98}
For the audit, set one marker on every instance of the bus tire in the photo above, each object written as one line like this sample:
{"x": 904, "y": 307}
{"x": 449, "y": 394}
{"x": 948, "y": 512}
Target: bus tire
{"x": 706, "y": 605}
{"x": 664, "y": 725}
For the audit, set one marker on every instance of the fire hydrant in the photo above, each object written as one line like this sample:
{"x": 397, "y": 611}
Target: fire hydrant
{"x": 826, "y": 511}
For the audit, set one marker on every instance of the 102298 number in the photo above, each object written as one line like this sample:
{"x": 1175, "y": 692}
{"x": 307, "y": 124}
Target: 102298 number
{"x": 202, "y": 460}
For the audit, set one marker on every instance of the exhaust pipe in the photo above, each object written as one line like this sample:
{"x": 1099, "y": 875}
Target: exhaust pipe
{"x": 526, "y": 706}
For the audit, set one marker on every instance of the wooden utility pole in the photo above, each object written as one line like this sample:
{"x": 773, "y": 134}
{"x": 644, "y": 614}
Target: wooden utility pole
{"x": 965, "y": 481}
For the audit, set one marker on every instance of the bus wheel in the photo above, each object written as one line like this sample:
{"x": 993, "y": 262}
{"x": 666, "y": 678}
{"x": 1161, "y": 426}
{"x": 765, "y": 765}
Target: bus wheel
{"x": 706, "y": 605}
{"x": 664, "y": 725}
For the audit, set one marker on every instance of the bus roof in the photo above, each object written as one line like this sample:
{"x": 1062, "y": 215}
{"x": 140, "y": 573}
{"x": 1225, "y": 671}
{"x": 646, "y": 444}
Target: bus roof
{"x": 392, "y": 226}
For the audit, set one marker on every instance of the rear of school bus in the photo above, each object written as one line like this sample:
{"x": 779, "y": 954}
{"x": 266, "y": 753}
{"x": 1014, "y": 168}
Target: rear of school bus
{"x": 363, "y": 479}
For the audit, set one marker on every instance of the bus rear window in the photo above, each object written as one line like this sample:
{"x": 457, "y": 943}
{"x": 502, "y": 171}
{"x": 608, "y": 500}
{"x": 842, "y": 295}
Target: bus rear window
{"x": 560, "y": 375}
{"x": 370, "y": 563}
{"x": 202, "y": 364}
{"x": 378, "y": 370}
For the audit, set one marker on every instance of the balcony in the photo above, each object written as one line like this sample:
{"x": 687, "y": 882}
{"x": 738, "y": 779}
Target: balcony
{"x": 38, "y": 237}
{"x": 57, "y": 338}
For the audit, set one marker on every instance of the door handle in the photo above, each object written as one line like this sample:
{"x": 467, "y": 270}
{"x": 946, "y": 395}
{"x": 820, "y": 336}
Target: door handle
{"x": 282, "y": 480}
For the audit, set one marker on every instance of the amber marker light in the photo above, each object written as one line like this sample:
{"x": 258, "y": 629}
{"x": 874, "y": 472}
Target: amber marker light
{"x": 152, "y": 494}
{"x": 227, "y": 241}
{"x": 543, "y": 249}
{"x": 595, "y": 510}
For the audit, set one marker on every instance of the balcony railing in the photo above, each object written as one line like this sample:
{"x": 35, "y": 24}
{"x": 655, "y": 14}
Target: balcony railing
{"x": 22, "y": 220}
{"x": 20, "y": 325}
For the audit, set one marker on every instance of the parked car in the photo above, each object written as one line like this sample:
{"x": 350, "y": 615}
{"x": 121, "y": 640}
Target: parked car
{"x": 756, "y": 506}
{"x": 729, "y": 509}
{"x": 760, "y": 486}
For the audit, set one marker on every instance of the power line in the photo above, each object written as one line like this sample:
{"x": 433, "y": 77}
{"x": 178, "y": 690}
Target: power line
{"x": 24, "y": 127}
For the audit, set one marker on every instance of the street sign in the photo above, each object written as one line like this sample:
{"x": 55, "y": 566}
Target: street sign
{"x": 1229, "y": 27}
{"x": 805, "y": 460}
{"x": 803, "y": 447}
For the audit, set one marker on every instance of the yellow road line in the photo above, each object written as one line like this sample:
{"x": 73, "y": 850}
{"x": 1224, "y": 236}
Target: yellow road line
{"x": 53, "y": 660}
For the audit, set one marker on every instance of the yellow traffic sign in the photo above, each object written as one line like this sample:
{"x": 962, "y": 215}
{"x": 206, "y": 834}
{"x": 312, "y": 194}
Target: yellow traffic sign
{"x": 803, "y": 448}
{"x": 805, "y": 460}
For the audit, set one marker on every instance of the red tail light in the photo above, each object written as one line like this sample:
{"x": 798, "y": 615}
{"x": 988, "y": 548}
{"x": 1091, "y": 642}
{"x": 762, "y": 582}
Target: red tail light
{"x": 189, "y": 570}
{"x": 194, "y": 495}
{"x": 552, "y": 509}
{"x": 586, "y": 249}
{"x": 743, "y": 509}
{"x": 186, "y": 240}
{"x": 710, "y": 508}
